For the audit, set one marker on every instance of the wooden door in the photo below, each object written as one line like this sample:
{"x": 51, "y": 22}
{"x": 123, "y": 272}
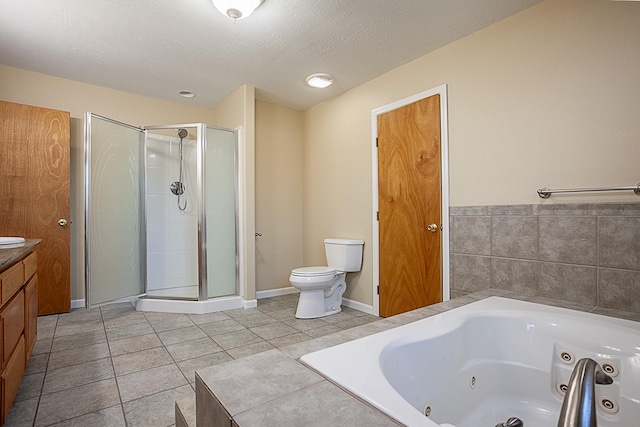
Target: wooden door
{"x": 34, "y": 195}
{"x": 409, "y": 201}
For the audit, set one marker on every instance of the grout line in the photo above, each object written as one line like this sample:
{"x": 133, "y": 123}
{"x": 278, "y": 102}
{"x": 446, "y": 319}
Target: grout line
{"x": 597, "y": 261}
{"x": 286, "y": 303}
{"x": 115, "y": 376}
{"x": 46, "y": 369}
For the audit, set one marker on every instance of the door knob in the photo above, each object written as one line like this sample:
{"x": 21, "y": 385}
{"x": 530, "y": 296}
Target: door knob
{"x": 432, "y": 228}
{"x": 62, "y": 222}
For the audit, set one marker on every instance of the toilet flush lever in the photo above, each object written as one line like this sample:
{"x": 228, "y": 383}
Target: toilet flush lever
{"x": 432, "y": 228}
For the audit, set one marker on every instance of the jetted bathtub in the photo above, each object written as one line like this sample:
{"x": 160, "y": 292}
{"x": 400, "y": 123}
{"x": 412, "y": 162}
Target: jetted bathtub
{"x": 480, "y": 364}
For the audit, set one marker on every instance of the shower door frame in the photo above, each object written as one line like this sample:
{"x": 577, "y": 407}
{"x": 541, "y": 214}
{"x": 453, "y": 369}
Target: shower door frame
{"x": 88, "y": 135}
{"x": 201, "y": 151}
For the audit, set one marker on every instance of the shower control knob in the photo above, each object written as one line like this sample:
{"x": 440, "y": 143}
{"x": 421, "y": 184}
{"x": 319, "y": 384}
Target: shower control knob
{"x": 432, "y": 228}
{"x": 62, "y": 222}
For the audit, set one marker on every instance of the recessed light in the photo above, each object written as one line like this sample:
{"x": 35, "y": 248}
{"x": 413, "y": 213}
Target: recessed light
{"x": 186, "y": 94}
{"x": 319, "y": 80}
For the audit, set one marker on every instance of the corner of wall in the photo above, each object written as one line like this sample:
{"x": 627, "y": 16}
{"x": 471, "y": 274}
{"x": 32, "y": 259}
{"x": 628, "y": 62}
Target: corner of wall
{"x": 238, "y": 112}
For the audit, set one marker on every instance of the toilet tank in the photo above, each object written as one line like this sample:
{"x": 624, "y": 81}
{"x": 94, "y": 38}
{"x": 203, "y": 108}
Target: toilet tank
{"x": 344, "y": 254}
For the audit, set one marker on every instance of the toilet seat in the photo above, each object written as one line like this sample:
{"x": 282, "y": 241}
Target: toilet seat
{"x": 313, "y": 271}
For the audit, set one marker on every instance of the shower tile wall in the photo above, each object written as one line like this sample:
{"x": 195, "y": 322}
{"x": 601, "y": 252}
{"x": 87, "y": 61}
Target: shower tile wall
{"x": 582, "y": 253}
{"x": 172, "y": 251}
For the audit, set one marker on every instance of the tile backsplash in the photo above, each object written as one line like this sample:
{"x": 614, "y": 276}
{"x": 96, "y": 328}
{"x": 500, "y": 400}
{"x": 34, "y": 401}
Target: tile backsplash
{"x": 582, "y": 253}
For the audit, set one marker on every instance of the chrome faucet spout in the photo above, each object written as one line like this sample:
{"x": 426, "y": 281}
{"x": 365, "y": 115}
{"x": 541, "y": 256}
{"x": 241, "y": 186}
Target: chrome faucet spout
{"x": 512, "y": 422}
{"x": 579, "y": 406}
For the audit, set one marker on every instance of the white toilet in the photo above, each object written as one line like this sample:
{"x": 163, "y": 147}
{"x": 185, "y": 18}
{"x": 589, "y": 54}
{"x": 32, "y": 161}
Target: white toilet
{"x": 321, "y": 288}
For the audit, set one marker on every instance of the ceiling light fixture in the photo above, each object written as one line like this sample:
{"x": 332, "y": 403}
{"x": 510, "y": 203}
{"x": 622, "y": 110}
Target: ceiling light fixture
{"x": 236, "y": 9}
{"x": 319, "y": 80}
{"x": 186, "y": 94}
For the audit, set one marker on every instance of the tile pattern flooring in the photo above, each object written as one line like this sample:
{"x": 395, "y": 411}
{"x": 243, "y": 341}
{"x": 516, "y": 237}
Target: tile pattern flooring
{"x": 113, "y": 366}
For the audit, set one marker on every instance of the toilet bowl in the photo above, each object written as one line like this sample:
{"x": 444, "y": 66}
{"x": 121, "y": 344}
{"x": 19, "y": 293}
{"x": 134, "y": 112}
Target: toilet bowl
{"x": 321, "y": 288}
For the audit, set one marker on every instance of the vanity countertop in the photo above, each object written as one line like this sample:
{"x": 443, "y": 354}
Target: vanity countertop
{"x": 9, "y": 256}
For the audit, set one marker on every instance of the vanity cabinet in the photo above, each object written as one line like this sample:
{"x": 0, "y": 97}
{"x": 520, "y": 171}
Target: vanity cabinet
{"x": 18, "y": 325}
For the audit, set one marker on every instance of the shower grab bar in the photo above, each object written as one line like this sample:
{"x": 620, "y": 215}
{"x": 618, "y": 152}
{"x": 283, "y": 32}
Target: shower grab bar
{"x": 545, "y": 193}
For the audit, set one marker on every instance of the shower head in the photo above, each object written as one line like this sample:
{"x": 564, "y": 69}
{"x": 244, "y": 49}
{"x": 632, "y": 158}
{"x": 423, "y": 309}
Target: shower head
{"x": 182, "y": 133}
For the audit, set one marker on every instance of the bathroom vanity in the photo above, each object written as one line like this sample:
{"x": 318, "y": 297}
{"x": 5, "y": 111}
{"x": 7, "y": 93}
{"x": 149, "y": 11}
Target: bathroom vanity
{"x": 18, "y": 317}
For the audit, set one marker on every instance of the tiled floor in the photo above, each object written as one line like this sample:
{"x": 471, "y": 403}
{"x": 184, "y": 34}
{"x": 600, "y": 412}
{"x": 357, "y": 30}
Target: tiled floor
{"x": 113, "y": 366}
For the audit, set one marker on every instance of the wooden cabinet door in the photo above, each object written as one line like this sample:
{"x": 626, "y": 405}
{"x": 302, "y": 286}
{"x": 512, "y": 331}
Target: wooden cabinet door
{"x": 13, "y": 321}
{"x": 11, "y": 377}
{"x": 34, "y": 171}
{"x": 31, "y": 314}
{"x": 11, "y": 280}
{"x": 1, "y": 342}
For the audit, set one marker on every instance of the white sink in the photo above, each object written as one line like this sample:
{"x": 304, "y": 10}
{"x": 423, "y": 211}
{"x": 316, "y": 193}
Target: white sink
{"x": 11, "y": 242}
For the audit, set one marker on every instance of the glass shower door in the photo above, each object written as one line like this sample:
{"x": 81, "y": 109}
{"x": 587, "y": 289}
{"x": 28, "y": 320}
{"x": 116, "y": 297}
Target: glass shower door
{"x": 114, "y": 210}
{"x": 191, "y": 237}
{"x": 220, "y": 184}
{"x": 172, "y": 202}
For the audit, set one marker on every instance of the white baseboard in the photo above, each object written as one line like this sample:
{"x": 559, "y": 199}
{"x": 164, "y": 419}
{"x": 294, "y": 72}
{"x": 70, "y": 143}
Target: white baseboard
{"x": 249, "y": 303}
{"x": 80, "y": 303}
{"x": 276, "y": 292}
{"x": 359, "y": 306}
{"x": 365, "y": 308}
{"x": 77, "y": 303}
{"x": 177, "y": 306}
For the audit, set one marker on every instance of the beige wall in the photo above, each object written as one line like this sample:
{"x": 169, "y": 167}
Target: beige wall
{"x": 30, "y": 88}
{"x": 548, "y": 97}
{"x": 26, "y": 87}
{"x": 278, "y": 194}
{"x": 238, "y": 111}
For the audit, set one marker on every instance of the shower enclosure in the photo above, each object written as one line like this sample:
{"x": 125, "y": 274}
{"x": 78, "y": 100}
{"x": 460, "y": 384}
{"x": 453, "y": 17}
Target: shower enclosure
{"x": 161, "y": 215}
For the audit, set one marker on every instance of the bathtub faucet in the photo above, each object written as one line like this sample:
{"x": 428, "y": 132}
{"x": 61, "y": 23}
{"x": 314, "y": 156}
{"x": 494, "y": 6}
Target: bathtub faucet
{"x": 579, "y": 406}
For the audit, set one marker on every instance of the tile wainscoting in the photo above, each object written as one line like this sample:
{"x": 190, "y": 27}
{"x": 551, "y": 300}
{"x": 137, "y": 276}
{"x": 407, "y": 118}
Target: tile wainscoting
{"x": 587, "y": 254}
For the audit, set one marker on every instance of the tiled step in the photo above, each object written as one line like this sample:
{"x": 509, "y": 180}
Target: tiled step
{"x": 279, "y": 386}
{"x": 186, "y": 412}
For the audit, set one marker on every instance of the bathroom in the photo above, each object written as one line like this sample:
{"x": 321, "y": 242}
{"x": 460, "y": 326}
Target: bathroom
{"x": 548, "y": 97}
{"x": 488, "y": 150}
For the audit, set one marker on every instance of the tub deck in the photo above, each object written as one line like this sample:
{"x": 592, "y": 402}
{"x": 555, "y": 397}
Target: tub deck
{"x": 274, "y": 388}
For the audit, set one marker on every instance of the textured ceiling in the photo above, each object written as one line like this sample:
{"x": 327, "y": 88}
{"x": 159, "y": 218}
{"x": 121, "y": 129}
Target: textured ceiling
{"x": 158, "y": 47}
